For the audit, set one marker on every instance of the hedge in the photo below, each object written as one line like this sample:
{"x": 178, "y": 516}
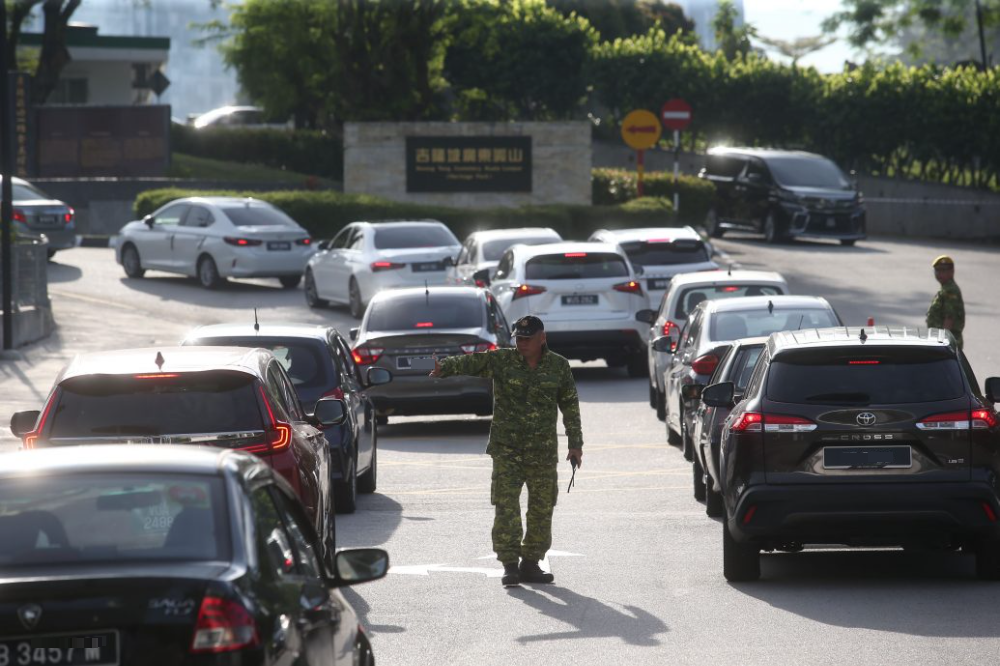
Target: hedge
{"x": 324, "y": 213}
{"x": 310, "y": 152}
{"x": 616, "y": 186}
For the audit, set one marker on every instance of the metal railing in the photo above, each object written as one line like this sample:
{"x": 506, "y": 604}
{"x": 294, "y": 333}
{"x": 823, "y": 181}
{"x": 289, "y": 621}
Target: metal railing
{"x": 30, "y": 271}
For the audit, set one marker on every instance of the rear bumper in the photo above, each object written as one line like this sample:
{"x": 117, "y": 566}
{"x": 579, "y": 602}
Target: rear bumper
{"x": 590, "y": 345}
{"x": 866, "y": 513}
{"x": 427, "y": 395}
{"x": 256, "y": 264}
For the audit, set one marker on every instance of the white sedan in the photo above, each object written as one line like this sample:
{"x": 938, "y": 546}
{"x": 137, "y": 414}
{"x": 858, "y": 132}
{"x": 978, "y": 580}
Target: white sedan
{"x": 214, "y": 238}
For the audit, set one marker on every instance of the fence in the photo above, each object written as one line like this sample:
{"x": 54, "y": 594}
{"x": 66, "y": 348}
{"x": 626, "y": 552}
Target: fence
{"x": 32, "y": 309}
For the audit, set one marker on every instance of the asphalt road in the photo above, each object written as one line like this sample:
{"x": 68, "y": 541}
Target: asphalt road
{"x": 637, "y": 563}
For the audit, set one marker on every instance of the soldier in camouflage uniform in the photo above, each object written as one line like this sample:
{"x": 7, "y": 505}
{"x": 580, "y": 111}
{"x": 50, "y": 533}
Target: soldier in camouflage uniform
{"x": 947, "y": 310}
{"x": 529, "y": 384}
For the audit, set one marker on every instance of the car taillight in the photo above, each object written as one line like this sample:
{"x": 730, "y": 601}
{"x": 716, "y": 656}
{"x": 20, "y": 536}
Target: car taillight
{"x": 31, "y": 437}
{"x": 277, "y": 434}
{"x": 378, "y": 266}
{"x": 19, "y": 215}
{"x": 424, "y": 324}
{"x": 630, "y": 287}
{"x": 522, "y": 290}
{"x": 223, "y": 625}
{"x": 786, "y": 423}
{"x": 68, "y": 217}
{"x": 983, "y": 418}
{"x": 705, "y": 365}
{"x": 480, "y": 283}
{"x": 366, "y": 355}
{"x": 242, "y": 242}
{"x": 748, "y": 422}
{"x": 474, "y": 347}
{"x": 946, "y": 421}
{"x": 304, "y": 241}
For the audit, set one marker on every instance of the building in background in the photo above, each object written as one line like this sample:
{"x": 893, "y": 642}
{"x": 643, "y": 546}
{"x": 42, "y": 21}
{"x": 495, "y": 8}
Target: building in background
{"x": 702, "y": 12}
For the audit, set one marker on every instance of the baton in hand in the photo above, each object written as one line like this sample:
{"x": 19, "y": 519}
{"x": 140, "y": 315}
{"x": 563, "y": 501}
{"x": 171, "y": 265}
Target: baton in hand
{"x": 572, "y": 479}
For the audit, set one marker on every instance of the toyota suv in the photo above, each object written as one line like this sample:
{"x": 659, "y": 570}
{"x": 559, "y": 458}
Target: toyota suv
{"x": 868, "y": 437}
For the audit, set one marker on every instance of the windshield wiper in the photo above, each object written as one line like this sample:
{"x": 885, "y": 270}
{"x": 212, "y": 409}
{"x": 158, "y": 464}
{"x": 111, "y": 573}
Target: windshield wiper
{"x": 852, "y": 398}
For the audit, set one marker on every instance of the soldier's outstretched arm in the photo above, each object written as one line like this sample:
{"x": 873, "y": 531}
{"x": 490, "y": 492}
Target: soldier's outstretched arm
{"x": 474, "y": 365}
{"x": 569, "y": 405}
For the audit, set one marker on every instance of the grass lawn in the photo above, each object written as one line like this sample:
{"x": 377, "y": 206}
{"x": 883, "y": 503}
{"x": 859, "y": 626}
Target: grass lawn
{"x": 202, "y": 168}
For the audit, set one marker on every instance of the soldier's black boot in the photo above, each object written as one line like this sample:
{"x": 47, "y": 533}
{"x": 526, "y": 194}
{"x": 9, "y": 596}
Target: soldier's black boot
{"x": 532, "y": 573}
{"x": 511, "y": 575}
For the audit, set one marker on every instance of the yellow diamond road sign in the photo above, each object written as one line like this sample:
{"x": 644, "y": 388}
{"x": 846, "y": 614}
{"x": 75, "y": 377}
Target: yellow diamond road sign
{"x": 641, "y": 129}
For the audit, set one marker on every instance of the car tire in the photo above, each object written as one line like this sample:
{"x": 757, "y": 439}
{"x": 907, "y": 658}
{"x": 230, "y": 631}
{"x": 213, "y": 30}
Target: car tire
{"x": 208, "y": 273}
{"x": 661, "y": 407}
{"x": 50, "y": 253}
{"x": 848, "y": 242}
{"x": 713, "y": 502}
{"x": 740, "y": 561}
{"x": 673, "y": 439}
{"x": 312, "y": 295}
{"x": 712, "y": 227}
{"x": 368, "y": 481}
{"x": 131, "y": 262}
{"x": 355, "y": 303}
{"x": 699, "y": 481}
{"x": 637, "y": 365}
{"x": 381, "y": 420}
{"x": 652, "y": 396}
{"x": 771, "y": 232}
{"x": 686, "y": 446}
{"x": 988, "y": 560}
{"x": 345, "y": 491}
{"x": 290, "y": 281}
{"x": 363, "y": 651}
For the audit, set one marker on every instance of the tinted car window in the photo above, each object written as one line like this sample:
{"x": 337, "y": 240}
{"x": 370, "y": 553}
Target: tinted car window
{"x": 22, "y": 192}
{"x": 305, "y": 554}
{"x": 257, "y": 216}
{"x": 759, "y": 322}
{"x": 660, "y": 253}
{"x": 494, "y": 249}
{"x": 420, "y": 312}
{"x": 744, "y": 364}
{"x": 421, "y": 235}
{"x": 724, "y": 165}
{"x": 692, "y": 296}
{"x": 576, "y": 266}
{"x": 113, "y": 518}
{"x": 808, "y": 172}
{"x": 273, "y": 542}
{"x": 863, "y": 377}
{"x": 192, "y": 402}
{"x": 301, "y": 359}
{"x": 504, "y": 267}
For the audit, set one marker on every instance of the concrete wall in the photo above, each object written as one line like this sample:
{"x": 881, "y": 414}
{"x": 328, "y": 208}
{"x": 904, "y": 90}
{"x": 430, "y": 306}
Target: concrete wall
{"x": 375, "y": 162}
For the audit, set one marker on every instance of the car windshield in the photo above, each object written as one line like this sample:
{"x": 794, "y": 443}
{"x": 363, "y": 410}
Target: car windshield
{"x": 422, "y": 312}
{"x": 494, "y": 249}
{"x": 724, "y": 326}
{"x": 861, "y": 377}
{"x": 112, "y": 518}
{"x": 691, "y": 296}
{"x": 302, "y": 359}
{"x": 665, "y": 252}
{"x": 25, "y": 192}
{"x": 807, "y": 172}
{"x": 257, "y": 216}
{"x": 576, "y": 266}
{"x": 156, "y": 404}
{"x": 413, "y": 236}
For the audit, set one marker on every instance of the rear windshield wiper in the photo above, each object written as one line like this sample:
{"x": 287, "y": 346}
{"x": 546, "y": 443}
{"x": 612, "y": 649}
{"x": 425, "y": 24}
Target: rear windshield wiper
{"x": 852, "y": 398}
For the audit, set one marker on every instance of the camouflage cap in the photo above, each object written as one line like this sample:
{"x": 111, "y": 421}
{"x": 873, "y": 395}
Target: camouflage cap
{"x": 527, "y": 326}
{"x": 943, "y": 260}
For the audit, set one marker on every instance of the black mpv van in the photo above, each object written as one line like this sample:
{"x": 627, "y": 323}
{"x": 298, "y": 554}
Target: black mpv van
{"x": 783, "y": 195}
{"x": 868, "y": 437}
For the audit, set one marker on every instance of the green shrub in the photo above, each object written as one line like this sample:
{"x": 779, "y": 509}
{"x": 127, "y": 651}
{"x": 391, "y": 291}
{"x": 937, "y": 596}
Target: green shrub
{"x": 617, "y": 186}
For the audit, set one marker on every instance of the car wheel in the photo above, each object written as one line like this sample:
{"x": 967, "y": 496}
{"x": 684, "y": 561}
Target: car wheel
{"x": 312, "y": 296}
{"x": 699, "y": 481}
{"x": 771, "y": 234}
{"x": 713, "y": 501}
{"x": 346, "y": 490}
{"x": 988, "y": 560}
{"x": 740, "y": 561}
{"x": 661, "y": 408}
{"x": 686, "y": 446}
{"x": 652, "y": 396}
{"x": 50, "y": 253}
{"x": 131, "y": 263}
{"x": 673, "y": 439}
{"x": 208, "y": 273}
{"x": 368, "y": 481}
{"x": 363, "y": 651}
{"x": 290, "y": 281}
{"x": 712, "y": 225}
{"x": 847, "y": 242}
{"x": 357, "y": 307}
{"x": 637, "y": 365}
{"x": 381, "y": 420}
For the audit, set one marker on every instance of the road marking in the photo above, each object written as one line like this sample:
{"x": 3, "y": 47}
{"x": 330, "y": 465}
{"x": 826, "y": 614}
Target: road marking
{"x": 489, "y": 572}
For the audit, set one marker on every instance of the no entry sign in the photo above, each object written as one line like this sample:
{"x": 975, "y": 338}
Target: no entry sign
{"x": 676, "y": 114}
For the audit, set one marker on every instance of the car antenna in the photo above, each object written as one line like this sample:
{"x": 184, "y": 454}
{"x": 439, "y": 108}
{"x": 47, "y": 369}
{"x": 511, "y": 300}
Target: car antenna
{"x": 770, "y": 307}
{"x": 159, "y": 361}
{"x": 863, "y": 336}
{"x": 427, "y": 294}
{"x": 730, "y": 271}
{"x": 256, "y": 324}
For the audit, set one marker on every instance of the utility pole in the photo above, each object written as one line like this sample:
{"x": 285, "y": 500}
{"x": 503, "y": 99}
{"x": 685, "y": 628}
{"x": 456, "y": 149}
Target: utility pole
{"x": 982, "y": 38}
{"x": 6, "y": 172}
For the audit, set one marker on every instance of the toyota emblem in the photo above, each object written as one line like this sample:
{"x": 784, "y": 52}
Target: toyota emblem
{"x": 866, "y": 419}
{"x": 30, "y": 615}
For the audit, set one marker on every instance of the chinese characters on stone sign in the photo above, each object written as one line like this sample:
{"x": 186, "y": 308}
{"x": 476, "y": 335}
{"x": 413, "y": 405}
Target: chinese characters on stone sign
{"x": 468, "y": 164}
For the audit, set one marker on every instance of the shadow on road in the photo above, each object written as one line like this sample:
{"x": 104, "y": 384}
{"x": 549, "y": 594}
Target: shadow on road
{"x": 437, "y": 436}
{"x": 372, "y": 524}
{"x": 63, "y": 272}
{"x": 807, "y": 245}
{"x": 231, "y": 294}
{"x": 938, "y": 590}
{"x": 362, "y": 608}
{"x": 589, "y": 617}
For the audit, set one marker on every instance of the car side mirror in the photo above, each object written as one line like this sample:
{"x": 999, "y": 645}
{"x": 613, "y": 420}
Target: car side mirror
{"x": 21, "y": 423}
{"x": 149, "y": 220}
{"x": 663, "y": 344}
{"x": 359, "y": 565}
{"x": 719, "y": 395}
{"x": 646, "y": 316}
{"x": 482, "y": 276}
{"x": 691, "y": 391}
{"x": 354, "y": 333}
{"x": 992, "y": 390}
{"x": 378, "y": 376}
{"x": 330, "y": 411}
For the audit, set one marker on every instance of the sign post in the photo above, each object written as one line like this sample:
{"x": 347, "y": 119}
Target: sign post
{"x": 676, "y": 115}
{"x": 641, "y": 130}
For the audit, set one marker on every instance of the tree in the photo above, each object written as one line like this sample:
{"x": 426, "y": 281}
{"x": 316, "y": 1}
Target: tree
{"x": 54, "y": 56}
{"x": 730, "y": 39}
{"x": 798, "y": 48}
{"x": 615, "y": 19}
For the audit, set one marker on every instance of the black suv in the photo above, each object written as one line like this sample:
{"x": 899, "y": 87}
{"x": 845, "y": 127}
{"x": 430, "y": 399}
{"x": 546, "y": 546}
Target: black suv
{"x": 783, "y": 195}
{"x": 861, "y": 437}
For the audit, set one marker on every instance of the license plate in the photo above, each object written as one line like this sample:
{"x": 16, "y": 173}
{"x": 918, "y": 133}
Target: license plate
{"x": 91, "y": 649}
{"x": 48, "y": 220}
{"x": 661, "y": 283}
{"x": 416, "y": 362}
{"x": 279, "y": 245}
{"x": 427, "y": 266}
{"x": 867, "y": 457}
{"x": 580, "y": 299}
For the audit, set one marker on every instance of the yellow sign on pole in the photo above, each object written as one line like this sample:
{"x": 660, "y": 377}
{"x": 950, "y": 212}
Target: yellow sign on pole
{"x": 641, "y": 129}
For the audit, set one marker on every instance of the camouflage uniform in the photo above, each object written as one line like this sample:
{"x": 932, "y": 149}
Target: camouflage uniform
{"x": 948, "y": 303}
{"x": 523, "y": 442}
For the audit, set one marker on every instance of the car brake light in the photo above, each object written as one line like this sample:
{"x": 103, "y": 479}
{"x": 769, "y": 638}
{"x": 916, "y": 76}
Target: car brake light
{"x": 983, "y": 419}
{"x": 474, "y": 347}
{"x": 748, "y": 422}
{"x": 366, "y": 355}
{"x": 158, "y": 375}
{"x": 630, "y": 287}
{"x": 378, "y": 266}
{"x": 425, "y": 324}
{"x": 863, "y": 362}
{"x": 575, "y": 254}
{"x": 31, "y": 437}
{"x": 223, "y": 625}
{"x": 786, "y": 423}
{"x": 19, "y": 215}
{"x": 277, "y": 434}
{"x": 946, "y": 421}
{"x": 242, "y": 242}
{"x": 68, "y": 217}
{"x": 480, "y": 283}
{"x": 304, "y": 241}
{"x": 522, "y": 290}
{"x": 660, "y": 240}
{"x": 705, "y": 365}
{"x": 727, "y": 290}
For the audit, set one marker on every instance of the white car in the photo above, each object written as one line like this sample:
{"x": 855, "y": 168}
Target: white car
{"x": 214, "y": 238}
{"x": 482, "y": 251}
{"x": 658, "y": 254}
{"x": 243, "y": 117}
{"x": 586, "y": 294}
{"x": 685, "y": 292}
{"x": 368, "y": 257}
